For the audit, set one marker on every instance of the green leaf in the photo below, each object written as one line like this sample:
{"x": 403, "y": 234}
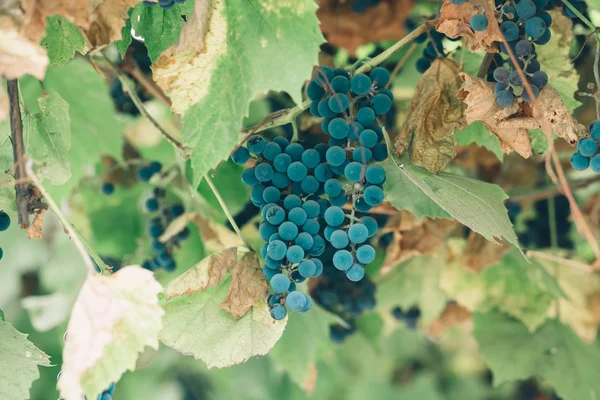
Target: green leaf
{"x": 553, "y": 352}
{"x": 403, "y": 194}
{"x": 251, "y": 47}
{"x": 478, "y": 205}
{"x": 19, "y": 360}
{"x": 228, "y": 181}
{"x": 158, "y": 27}
{"x": 305, "y": 334}
{"x": 371, "y": 325}
{"x": 512, "y": 285}
{"x": 126, "y": 37}
{"x": 477, "y": 133}
{"x": 62, "y": 40}
{"x": 126, "y": 317}
{"x": 415, "y": 282}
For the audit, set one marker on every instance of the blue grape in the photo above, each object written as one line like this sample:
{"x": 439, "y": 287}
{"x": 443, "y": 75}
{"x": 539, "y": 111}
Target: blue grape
{"x": 312, "y": 208}
{"x": 111, "y": 388}
{"x": 338, "y": 103}
{"x": 595, "y": 129}
{"x": 501, "y": 74}
{"x": 373, "y": 196}
{"x": 381, "y": 76}
{"x": 318, "y": 247}
{"x": 545, "y": 38}
{"x": 366, "y": 116}
{"x": 358, "y": 233}
{"x": 525, "y": 95}
{"x": 422, "y": 65}
{"x": 276, "y": 249}
{"x": 524, "y": 47}
{"x": 273, "y": 264}
{"x": 375, "y": 174}
{"x": 298, "y": 216}
{"x": 256, "y": 144}
{"x": 368, "y": 138}
{"x": 288, "y": 231}
{"x": 271, "y": 151}
{"x": 311, "y": 226}
{"x": 535, "y": 27}
{"x": 504, "y": 98}
{"x": 324, "y": 75}
{"x": 510, "y": 30}
{"x": 381, "y": 104}
{"x": 274, "y": 299}
{"x": 292, "y": 201}
{"x": 339, "y": 169}
{"x": 295, "y": 253}
{"x": 263, "y": 250}
{"x": 310, "y": 185}
{"x": 362, "y": 154}
{"x": 155, "y": 229}
{"x": 319, "y": 269}
{"x": 324, "y": 110}
{"x": 108, "y": 188}
{"x": 256, "y": 194}
{"x": 314, "y": 91}
{"x": 526, "y": 9}
{"x": 339, "y": 239}
{"x": 355, "y": 273}
{"x": 336, "y": 142}
{"x": 334, "y": 216}
{"x": 335, "y": 156}
{"x": 152, "y": 204}
{"x": 539, "y": 79}
{"x": 282, "y": 142}
{"x": 479, "y": 22}
{"x": 342, "y": 260}
{"x": 295, "y": 151}
{"x": 547, "y": 18}
{"x": 157, "y": 246}
{"x": 595, "y": 163}
{"x": 508, "y": 13}
{"x": 308, "y": 304}
{"x": 280, "y": 283}
{"x": 280, "y": 180}
{"x": 263, "y": 172}
{"x": 307, "y": 268}
{"x": 587, "y": 147}
{"x": 275, "y": 215}
{"x": 339, "y": 128}
{"x": 297, "y": 171}
{"x": 365, "y": 254}
{"x": 354, "y": 171}
{"x": 271, "y": 195}
{"x": 282, "y": 162}
{"x": 296, "y": 301}
{"x": 499, "y": 86}
{"x": 296, "y": 277}
{"x": 305, "y": 241}
{"x": 240, "y": 156}
{"x": 355, "y": 129}
{"x": 278, "y": 312}
{"x": 176, "y": 210}
{"x": 540, "y": 4}
{"x": 269, "y": 273}
{"x": 360, "y": 84}
{"x": 311, "y": 158}
{"x": 371, "y": 225}
{"x": 340, "y": 84}
{"x": 533, "y": 66}
{"x": 333, "y": 187}
{"x": 144, "y": 174}
{"x": 339, "y": 200}
{"x": 380, "y": 152}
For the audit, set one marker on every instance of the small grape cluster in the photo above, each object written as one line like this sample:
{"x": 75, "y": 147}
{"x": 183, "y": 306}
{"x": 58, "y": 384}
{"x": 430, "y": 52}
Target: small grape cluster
{"x": 164, "y": 4}
{"x": 4, "y": 224}
{"x": 580, "y": 5}
{"x": 588, "y": 150}
{"x": 344, "y": 298}
{"x": 524, "y": 25}
{"x": 433, "y": 50}
{"x": 410, "y": 317}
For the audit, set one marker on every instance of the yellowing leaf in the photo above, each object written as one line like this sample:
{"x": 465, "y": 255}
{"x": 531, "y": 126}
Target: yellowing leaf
{"x": 114, "y": 318}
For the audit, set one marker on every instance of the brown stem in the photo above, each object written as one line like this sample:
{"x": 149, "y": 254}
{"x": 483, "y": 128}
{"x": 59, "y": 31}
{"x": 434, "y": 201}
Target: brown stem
{"x": 485, "y": 65}
{"x": 130, "y": 66}
{"x": 16, "y": 129}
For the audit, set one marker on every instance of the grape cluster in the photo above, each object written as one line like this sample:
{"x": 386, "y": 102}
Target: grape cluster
{"x": 164, "y": 4}
{"x": 4, "y": 224}
{"x": 410, "y": 317}
{"x": 525, "y": 25}
{"x": 344, "y": 298}
{"x": 588, "y": 150}
{"x": 433, "y": 49}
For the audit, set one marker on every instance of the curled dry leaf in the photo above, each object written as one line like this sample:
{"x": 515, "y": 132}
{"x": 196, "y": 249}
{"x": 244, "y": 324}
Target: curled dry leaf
{"x": 455, "y": 21}
{"x": 35, "y": 229}
{"x": 247, "y": 284}
{"x": 114, "y": 318}
{"x": 434, "y": 113}
{"x": 558, "y": 116}
{"x": 480, "y": 253}
{"x": 345, "y": 28}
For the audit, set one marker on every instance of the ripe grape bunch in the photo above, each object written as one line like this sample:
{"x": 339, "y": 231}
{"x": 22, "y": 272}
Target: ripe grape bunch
{"x": 524, "y": 25}
{"x": 588, "y": 150}
{"x": 301, "y": 191}
{"x": 164, "y": 4}
{"x": 4, "y": 224}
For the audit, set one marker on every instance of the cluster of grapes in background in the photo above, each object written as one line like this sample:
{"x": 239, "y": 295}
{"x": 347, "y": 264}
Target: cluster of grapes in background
{"x": 410, "y": 317}
{"x": 588, "y": 150}
{"x": 524, "y": 25}
{"x": 432, "y": 50}
{"x": 301, "y": 191}
{"x": 4, "y": 224}
{"x": 164, "y": 4}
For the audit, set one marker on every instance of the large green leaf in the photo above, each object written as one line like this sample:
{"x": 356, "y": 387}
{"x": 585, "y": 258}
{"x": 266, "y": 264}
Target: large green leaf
{"x": 250, "y": 47}
{"x": 477, "y": 133}
{"x": 478, "y": 205}
{"x": 62, "y": 40}
{"x": 553, "y": 352}
{"x": 19, "y": 360}
{"x": 415, "y": 282}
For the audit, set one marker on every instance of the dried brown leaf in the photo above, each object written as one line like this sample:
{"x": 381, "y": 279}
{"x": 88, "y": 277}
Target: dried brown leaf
{"x": 35, "y": 229}
{"x": 345, "y": 28}
{"x": 479, "y": 253}
{"x": 434, "y": 113}
{"x": 455, "y": 21}
{"x": 19, "y": 54}
{"x": 556, "y": 113}
{"x": 248, "y": 285}
{"x": 454, "y": 314}
{"x": 107, "y": 20}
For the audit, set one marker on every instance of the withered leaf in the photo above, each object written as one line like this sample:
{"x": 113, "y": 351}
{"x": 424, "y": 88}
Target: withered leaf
{"x": 558, "y": 116}
{"x": 480, "y": 253}
{"x": 454, "y": 314}
{"x": 248, "y": 285}
{"x": 455, "y": 21}
{"x": 20, "y": 54}
{"x": 344, "y": 27}
{"x": 434, "y": 113}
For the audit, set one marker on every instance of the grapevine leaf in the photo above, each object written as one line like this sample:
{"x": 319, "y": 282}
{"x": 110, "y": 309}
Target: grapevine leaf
{"x": 305, "y": 334}
{"x": 19, "y": 360}
{"x": 477, "y": 133}
{"x": 62, "y": 40}
{"x": 126, "y": 37}
{"x": 211, "y": 79}
{"x": 114, "y": 318}
{"x": 197, "y": 325}
{"x": 371, "y": 325}
{"x": 553, "y": 352}
{"x": 512, "y": 285}
{"x": 478, "y": 205}
{"x": 47, "y": 312}
{"x": 415, "y": 282}
{"x": 403, "y": 194}
{"x": 158, "y": 27}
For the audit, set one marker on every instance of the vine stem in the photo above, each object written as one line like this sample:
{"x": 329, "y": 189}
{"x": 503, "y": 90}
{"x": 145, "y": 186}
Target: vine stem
{"x": 77, "y": 240}
{"x": 19, "y": 156}
{"x": 226, "y": 210}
